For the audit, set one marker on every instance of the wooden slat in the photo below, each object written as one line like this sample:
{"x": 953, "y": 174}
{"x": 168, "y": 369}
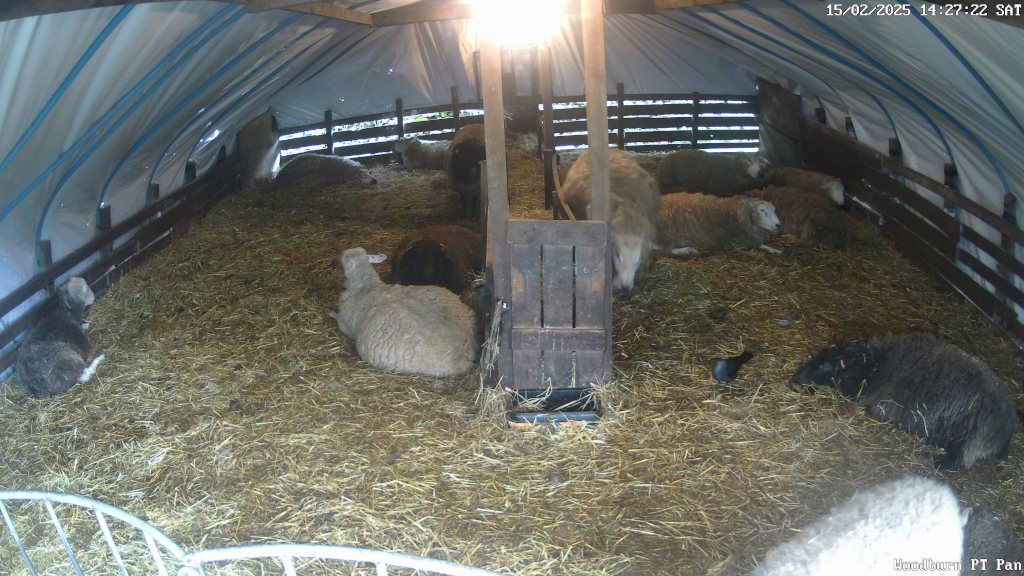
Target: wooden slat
{"x": 557, "y": 286}
{"x": 992, "y": 277}
{"x": 933, "y": 236}
{"x": 994, "y": 250}
{"x": 558, "y": 339}
{"x": 371, "y": 148}
{"x": 526, "y": 288}
{"x": 558, "y": 369}
{"x": 584, "y": 233}
{"x": 591, "y": 276}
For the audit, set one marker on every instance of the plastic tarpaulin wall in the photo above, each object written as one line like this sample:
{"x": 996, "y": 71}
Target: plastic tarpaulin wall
{"x": 97, "y": 104}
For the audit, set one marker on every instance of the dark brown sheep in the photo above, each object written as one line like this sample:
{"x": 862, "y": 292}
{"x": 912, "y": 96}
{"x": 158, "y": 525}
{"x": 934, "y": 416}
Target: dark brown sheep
{"x": 462, "y": 165}
{"x": 808, "y": 216}
{"x": 446, "y": 256}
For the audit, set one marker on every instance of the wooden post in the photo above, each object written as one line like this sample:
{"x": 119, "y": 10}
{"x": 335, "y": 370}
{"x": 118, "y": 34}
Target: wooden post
{"x": 190, "y": 170}
{"x": 819, "y": 115}
{"x": 44, "y": 259}
{"x": 950, "y": 179}
{"x": 329, "y": 135}
{"x": 104, "y": 225}
{"x": 850, "y": 130}
{"x": 696, "y": 120}
{"x": 152, "y": 193}
{"x": 535, "y": 99}
{"x": 896, "y": 150}
{"x": 400, "y": 118}
{"x": 496, "y": 172}
{"x": 476, "y": 77}
{"x": 549, "y": 179}
{"x": 620, "y": 97}
{"x": 456, "y": 109}
{"x": 222, "y": 154}
{"x": 592, "y": 12}
{"x": 548, "y": 94}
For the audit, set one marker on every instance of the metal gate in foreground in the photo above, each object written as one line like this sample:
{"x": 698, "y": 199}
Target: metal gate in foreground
{"x": 52, "y": 533}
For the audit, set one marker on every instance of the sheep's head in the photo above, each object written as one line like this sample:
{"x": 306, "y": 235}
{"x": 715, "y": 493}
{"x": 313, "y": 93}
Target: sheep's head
{"x": 76, "y": 296}
{"x": 823, "y": 369}
{"x": 629, "y": 254}
{"x": 764, "y": 215}
{"x": 403, "y": 144}
{"x": 358, "y": 271}
{"x": 834, "y": 189}
{"x": 755, "y": 165}
{"x": 366, "y": 178}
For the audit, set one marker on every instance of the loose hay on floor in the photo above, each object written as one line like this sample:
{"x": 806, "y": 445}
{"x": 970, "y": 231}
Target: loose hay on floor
{"x": 231, "y": 411}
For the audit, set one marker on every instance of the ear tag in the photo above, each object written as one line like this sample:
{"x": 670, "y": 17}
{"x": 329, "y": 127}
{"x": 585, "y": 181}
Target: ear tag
{"x": 376, "y": 258}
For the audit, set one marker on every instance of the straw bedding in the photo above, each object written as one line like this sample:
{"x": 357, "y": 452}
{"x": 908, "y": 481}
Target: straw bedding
{"x": 231, "y": 411}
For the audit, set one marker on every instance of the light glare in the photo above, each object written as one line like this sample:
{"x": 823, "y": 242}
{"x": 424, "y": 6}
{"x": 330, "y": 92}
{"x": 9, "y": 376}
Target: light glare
{"x": 516, "y": 24}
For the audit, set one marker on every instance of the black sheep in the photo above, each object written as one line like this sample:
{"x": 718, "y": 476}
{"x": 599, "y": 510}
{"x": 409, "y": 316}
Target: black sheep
{"x": 925, "y": 386}
{"x": 446, "y": 256}
{"x": 462, "y": 166}
{"x": 990, "y": 547}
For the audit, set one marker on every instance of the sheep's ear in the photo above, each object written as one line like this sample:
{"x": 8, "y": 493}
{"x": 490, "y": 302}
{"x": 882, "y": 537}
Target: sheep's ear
{"x": 376, "y": 258}
{"x": 750, "y": 203}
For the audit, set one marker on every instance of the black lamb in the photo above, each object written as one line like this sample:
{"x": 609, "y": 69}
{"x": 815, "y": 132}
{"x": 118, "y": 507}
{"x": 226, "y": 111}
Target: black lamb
{"x": 925, "y": 386}
{"x": 446, "y": 256}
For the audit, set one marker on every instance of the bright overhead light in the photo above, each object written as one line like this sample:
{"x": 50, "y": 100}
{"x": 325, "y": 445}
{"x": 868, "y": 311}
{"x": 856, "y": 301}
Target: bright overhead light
{"x": 516, "y": 23}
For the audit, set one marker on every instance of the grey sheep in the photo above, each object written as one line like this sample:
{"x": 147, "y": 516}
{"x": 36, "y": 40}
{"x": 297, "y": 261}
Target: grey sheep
{"x": 320, "y": 171}
{"x": 807, "y": 216}
{"x": 881, "y": 530}
{"x": 990, "y": 547}
{"x": 462, "y": 166}
{"x": 417, "y": 154}
{"x": 693, "y": 224}
{"x": 699, "y": 172}
{"x": 446, "y": 256}
{"x": 405, "y": 329}
{"x": 925, "y": 386}
{"x": 51, "y": 358}
{"x": 830, "y": 186}
{"x": 634, "y": 211}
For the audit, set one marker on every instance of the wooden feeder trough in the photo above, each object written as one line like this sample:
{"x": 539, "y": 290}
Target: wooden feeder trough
{"x": 550, "y": 336}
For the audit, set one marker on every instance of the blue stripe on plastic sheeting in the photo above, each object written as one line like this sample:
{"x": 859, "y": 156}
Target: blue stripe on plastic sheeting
{"x": 86, "y": 56}
{"x": 239, "y": 82}
{"x": 940, "y": 110}
{"x": 790, "y": 48}
{"x": 239, "y": 12}
{"x": 185, "y": 101}
{"x": 348, "y": 49}
{"x": 967, "y": 65}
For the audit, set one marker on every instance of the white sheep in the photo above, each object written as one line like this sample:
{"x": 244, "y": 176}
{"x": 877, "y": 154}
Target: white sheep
{"x": 635, "y": 202}
{"x": 699, "y": 172}
{"x": 417, "y": 154}
{"x": 908, "y": 525}
{"x": 692, "y": 224}
{"x": 406, "y": 329}
{"x": 808, "y": 180}
{"x": 51, "y": 358}
{"x": 320, "y": 170}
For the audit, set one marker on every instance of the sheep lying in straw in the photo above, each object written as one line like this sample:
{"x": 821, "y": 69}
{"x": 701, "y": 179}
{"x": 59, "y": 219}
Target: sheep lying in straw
{"x": 878, "y": 531}
{"x": 816, "y": 181}
{"x": 634, "y": 211}
{"x": 406, "y": 329}
{"x": 319, "y": 171}
{"x": 807, "y": 216}
{"x": 446, "y": 256}
{"x": 925, "y": 386}
{"x": 696, "y": 171}
{"x": 51, "y": 358}
{"x": 462, "y": 166}
{"x": 990, "y": 547}
{"x": 417, "y": 154}
{"x": 693, "y": 224}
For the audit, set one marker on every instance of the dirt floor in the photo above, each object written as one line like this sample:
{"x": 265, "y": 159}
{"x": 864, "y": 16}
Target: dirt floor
{"x": 230, "y": 410}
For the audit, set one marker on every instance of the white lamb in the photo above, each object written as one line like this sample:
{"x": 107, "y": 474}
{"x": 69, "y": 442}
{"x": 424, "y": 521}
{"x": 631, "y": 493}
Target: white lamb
{"x": 406, "y": 329}
{"x": 417, "y": 154}
{"x": 692, "y": 224}
{"x": 634, "y": 211}
{"x": 908, "y": 525}
{"x": 808, "y": 180}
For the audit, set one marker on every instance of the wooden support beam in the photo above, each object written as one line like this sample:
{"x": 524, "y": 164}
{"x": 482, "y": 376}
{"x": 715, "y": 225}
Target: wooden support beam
{"x": 264, "y": 5}
{"x": 597, "y": 108}
{"x": 328, "y": 10}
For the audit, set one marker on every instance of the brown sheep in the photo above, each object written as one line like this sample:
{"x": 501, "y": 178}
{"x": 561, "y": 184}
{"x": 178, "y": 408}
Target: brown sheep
{"x": 462, "y": 165}
{"x": 446, "y": 256}
{"x": 808, "y": 216}
{"x": 808, "y": 180}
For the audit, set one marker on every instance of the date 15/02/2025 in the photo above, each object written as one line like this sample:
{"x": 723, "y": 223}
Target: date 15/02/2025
{"x": 924, "y": 9}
